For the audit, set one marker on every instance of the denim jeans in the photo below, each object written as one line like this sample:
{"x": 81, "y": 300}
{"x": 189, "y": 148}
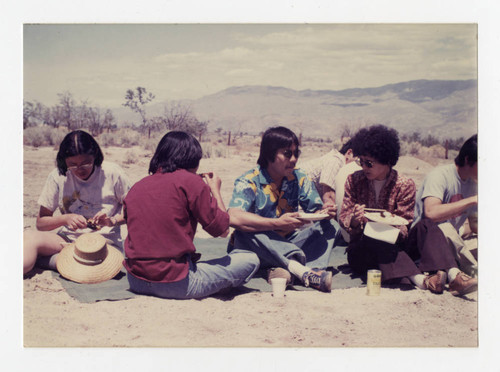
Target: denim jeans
{"x": 309, "y": 246}
{"x": 204, "y": 278}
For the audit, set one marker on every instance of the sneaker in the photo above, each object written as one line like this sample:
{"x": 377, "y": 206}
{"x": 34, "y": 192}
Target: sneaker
{"x": 278, "y": 272}
{"x": 436, "y": 282}
{"x": 462, "y": 284}
{"x": 318, "y": 279}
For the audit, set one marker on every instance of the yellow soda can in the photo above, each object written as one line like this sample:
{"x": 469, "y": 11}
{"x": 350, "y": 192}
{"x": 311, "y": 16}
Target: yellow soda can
{"x": 373, "y": 281}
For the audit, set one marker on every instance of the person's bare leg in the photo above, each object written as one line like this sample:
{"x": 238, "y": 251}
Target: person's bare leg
{"x": 39, "y": 243}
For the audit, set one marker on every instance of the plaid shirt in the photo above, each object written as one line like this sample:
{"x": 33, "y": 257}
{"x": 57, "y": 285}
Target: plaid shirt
{"x": 397, "y": 196}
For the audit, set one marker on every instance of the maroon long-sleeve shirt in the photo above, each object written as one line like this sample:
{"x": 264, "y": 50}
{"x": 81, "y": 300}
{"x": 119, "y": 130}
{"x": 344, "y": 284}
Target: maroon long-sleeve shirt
{"x": 162, "y": 212}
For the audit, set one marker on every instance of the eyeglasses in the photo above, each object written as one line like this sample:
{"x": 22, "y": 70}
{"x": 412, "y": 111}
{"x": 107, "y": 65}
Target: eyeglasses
{"x": 288, "y": 153}
{"x": 85, "y": 166}
{"x": 361, "y": 162}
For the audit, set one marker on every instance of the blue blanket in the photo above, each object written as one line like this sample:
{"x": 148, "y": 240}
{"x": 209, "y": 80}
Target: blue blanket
{"x": 118, "y": 288}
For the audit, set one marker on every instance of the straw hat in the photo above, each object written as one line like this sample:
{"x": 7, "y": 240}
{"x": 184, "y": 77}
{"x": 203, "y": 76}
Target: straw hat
{"x": 89, "y": 260}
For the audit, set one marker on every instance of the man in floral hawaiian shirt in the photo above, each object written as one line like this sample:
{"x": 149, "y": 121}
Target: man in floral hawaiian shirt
{"x": 264, "y": 211}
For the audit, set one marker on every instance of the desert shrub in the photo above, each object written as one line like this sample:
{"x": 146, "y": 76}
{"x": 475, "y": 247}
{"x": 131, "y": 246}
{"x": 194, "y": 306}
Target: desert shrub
{"x": 122, "y": 138}
{"x": 211, "y": 151}
{"x": 410, "y": 148}
{"x": 43, "y": 136}
{"x": 128, "y": 138}
{"x": 207, "y": 150}
{"x": 149, "y": 144}
{"x": 220, "y": 152}
{"x": 107, "y": 139}
{"x": 130, "y": 157}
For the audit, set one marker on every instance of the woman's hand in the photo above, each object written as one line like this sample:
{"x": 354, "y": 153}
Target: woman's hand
{"x": 102, "y": 219}
{"x": 213, "y": 181}
{"x": 75, "y": 221}
{"x": 358, "y": 215}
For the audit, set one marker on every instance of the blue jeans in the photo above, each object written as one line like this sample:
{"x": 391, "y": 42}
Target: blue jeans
{"x": 309, "y": 246}
{"x": 204, "y": 278}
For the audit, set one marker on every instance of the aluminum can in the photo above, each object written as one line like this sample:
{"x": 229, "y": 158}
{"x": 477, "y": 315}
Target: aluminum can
{"x": 373, "y": 281}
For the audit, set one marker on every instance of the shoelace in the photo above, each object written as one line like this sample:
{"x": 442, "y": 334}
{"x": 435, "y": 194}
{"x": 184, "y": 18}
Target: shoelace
{"x": 312, "y": 278}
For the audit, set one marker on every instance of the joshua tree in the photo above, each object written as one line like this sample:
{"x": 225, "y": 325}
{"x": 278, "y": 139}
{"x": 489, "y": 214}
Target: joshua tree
{"x": 136, "y": 101}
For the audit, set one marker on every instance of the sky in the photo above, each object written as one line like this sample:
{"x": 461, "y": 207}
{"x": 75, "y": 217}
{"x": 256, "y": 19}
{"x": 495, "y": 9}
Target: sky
{"x": 97, "y": 63}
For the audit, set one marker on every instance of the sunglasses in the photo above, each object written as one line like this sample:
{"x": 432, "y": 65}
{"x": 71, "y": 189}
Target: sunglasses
{"x": 288, "y": 153}
{"x": 86, "y": 166}
{"x": 361, "y": 162}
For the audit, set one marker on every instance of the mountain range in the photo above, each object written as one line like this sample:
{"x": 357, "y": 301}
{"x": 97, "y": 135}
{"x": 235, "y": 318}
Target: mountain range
{"x": 442, "y": 108}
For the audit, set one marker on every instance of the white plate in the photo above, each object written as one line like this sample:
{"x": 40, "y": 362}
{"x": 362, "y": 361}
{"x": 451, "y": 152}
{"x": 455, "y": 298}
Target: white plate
{"x": 388, "y": 220}
{"x": 312, "y": 216}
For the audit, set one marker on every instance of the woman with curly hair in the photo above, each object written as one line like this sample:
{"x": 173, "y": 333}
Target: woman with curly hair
{"x": 379, "y": 186}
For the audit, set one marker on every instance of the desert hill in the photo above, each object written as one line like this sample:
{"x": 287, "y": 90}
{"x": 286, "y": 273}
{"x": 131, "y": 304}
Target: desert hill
{"x": 443, "y": 108}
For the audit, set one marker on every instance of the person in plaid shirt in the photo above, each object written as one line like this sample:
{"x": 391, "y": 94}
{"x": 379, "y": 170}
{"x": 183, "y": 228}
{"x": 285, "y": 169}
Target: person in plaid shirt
{"x": 380, "y": 186}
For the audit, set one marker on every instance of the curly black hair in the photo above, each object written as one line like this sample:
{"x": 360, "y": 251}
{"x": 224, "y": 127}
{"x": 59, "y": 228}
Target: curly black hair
{"x": 378, "y": 142}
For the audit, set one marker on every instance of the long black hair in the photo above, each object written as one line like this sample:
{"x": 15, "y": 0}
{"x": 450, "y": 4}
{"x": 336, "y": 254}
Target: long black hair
{"x": 274, "y": 139}
{"x": 76, "y": 143}
{"x": 176, "y": 150}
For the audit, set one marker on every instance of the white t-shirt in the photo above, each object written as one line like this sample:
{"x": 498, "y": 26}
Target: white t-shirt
{"x": 103, "y": 191}
{"x": 445, "y": 184}
{"x": 322, "y": 171}
{"x": 340, "y": 180}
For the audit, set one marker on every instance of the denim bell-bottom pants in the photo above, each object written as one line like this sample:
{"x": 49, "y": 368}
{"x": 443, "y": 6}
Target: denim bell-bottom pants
{"x": 310, "y": 246}
{"x": 204, "y": 278}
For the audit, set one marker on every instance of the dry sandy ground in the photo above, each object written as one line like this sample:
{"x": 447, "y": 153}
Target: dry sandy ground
{"x": 343, "y": 318}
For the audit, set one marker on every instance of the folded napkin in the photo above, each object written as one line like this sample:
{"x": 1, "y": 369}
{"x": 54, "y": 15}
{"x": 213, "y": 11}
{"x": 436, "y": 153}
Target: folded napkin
{"x": 381, "y": 231}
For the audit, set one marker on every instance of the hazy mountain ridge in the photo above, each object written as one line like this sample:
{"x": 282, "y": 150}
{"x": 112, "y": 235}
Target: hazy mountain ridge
{"x": 443, "y": 108}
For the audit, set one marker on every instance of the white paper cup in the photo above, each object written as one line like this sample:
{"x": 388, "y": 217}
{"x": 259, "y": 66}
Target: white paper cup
{"x": 279, "y": 286}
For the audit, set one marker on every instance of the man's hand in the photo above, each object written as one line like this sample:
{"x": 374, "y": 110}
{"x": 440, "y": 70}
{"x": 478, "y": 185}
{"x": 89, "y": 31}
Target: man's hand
{"x": 358, "y": 215}
{"x": 289, "y": 222}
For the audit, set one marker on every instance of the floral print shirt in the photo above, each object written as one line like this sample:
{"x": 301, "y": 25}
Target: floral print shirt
{"x": 397, "y": 196}
{"x": 256, "y": 192}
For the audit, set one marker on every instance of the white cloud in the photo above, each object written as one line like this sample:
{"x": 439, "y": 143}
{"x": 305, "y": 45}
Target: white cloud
{"x": 301, "y": 57}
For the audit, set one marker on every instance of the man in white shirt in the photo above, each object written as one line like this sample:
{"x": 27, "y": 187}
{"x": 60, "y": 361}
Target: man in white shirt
{"x": 323, "y": 171}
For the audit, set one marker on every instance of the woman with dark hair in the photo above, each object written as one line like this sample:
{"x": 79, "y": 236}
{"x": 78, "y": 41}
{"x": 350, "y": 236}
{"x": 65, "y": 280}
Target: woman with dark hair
{"x": 88, "y": 193}
{"x": 162, "y": 212}
{"x": 379, "y": 186}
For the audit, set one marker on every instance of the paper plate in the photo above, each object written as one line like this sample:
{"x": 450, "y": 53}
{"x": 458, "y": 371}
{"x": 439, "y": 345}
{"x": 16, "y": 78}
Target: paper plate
{"x": 312, "y": 216}
{"x": 388, "y": 220}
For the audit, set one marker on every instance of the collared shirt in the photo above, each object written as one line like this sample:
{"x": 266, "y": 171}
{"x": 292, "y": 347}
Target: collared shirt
{"x": 322, "y": 171}
{"x": 162, "y": 212}
{"x": 256, "y": 192}
{"x": 397, "y": 196}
